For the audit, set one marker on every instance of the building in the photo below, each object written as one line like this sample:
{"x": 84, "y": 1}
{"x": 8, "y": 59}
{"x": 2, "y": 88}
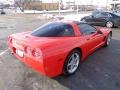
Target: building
{"x": 93, "y": 4}
{"x": 39, "y": 5}
{"x": 115, "y": 4}
{"x": 81, "y": 5}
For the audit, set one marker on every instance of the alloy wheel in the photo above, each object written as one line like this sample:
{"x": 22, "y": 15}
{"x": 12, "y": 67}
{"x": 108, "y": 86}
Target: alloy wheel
{"x": 73, "y": 63}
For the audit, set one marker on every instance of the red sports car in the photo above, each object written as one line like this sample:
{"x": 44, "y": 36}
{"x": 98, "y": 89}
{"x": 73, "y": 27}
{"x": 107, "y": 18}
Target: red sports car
{"x": 58, "y": 47}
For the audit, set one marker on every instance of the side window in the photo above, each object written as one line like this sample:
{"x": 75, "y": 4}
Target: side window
{"x": 68, "y": 30}
{"x": 105, "y": 14}
{"x": 86, "y": 29}
{"x": 97, "y": 15}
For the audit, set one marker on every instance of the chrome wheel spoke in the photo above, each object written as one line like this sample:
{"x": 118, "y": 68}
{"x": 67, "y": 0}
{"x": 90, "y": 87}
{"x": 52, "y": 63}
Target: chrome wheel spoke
{"x": 109, "y": 24}
{"x": 73, "y": 63}
{"x": 108, "y": 40}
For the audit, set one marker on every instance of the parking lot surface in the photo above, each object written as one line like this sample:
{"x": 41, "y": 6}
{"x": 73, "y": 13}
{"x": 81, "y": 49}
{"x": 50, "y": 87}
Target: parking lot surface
{"x": 100, "y": 70}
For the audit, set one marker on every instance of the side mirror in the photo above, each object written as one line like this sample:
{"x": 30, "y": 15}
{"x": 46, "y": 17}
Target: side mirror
{"x": 99, "y": 32}
{"x": 92, "y": 16}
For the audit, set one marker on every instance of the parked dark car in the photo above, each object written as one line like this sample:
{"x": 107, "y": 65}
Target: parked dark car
{"x": 108, "y": 19}
{"x": 2, "y": 11}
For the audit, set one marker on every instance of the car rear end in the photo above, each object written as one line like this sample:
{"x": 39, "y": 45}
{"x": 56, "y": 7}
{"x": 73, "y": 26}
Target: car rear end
{"x": 27, "y": 52}
{"x": 115, "y": 19}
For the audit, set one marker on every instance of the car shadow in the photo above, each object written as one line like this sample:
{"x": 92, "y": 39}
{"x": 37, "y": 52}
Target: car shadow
{"x": 99, "y": 71}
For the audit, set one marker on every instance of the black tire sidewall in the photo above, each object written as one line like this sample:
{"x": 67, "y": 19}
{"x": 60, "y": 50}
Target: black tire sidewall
{"x": 107, "y": 39}
{"x": 65, "y": 71}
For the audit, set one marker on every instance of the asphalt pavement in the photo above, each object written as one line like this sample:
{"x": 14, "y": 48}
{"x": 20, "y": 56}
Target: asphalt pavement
{"x": 99, "y": 71}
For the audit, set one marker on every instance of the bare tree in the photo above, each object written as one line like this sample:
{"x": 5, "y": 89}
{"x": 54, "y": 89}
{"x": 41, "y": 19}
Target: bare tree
{"x": 22, "y": 4}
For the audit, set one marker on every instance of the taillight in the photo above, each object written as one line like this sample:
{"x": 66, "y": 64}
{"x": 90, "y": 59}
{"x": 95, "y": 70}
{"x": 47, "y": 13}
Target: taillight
{"x": 33, "y": 52}
{"x": 28, "y": 50}
{"x": 36, "y": 53}
{"x": 9, "y": 39}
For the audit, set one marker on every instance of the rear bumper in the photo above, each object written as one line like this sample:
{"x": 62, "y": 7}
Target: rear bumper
{"x": 37, "y": 65}
{"x": 30, "y": 62}
{"x": 116, "y": 22}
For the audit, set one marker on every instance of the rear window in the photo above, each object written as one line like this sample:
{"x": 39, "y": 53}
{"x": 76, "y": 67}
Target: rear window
{"x": 118, "y": 14}
{"x": 55, "y": 29}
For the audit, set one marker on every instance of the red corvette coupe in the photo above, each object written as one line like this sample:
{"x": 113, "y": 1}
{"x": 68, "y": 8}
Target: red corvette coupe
{"x": 58, "y": 47}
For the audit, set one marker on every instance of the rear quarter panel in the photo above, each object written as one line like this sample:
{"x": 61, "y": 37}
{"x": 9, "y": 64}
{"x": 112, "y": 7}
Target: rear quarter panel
{"x": 55, "y": 53}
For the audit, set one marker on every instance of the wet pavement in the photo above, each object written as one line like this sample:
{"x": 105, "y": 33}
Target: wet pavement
{"x": 100, "y": 70}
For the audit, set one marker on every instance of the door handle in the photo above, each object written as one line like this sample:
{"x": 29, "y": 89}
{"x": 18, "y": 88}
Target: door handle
{"x": 88, "y": 38}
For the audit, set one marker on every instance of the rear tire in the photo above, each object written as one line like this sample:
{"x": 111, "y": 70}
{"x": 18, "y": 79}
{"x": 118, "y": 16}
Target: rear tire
{"x": 109, "y": 24}
{"x": 72, "y": 62}
{"x": 108, "y": 40}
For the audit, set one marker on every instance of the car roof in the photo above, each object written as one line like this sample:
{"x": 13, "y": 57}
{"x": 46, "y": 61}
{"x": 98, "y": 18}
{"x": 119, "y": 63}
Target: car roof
{"x": 103, "y": 12}
{"x": 69, "y": 22}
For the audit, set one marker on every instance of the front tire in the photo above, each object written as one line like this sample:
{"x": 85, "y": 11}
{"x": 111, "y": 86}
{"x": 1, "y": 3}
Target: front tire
{"x": 72, "y": 63}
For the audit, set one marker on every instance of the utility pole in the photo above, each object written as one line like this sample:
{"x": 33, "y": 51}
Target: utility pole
{"x": 59, "y": 7}
{"x": 74, "y": 4}
{"x": 114, "y": 4}
{"x": 106, "y": 3}
{"x": 77, "y": 8}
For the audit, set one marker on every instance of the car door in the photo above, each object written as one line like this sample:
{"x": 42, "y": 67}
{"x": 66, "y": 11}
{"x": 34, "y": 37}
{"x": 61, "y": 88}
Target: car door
{"x": 89, "y": 19}
{"x": 91, "y": 37}
{"x": 94, "y": 19}
{"x": 100, "y": 18}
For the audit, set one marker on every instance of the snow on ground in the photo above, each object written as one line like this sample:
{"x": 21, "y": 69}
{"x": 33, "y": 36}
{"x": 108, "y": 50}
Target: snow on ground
{"x": 75, "y": 17}
{"x": 39, "y": 12}
{"x": 66, "y": 17}
{"x": 52, "y": 14}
